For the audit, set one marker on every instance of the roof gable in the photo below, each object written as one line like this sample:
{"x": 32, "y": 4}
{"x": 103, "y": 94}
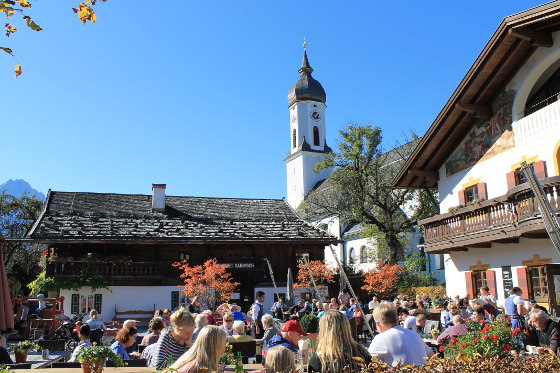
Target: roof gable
{"x": 514, "y": 41}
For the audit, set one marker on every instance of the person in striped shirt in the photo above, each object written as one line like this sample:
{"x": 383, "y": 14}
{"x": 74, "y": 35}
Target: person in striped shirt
{"x": 176, "y": 341}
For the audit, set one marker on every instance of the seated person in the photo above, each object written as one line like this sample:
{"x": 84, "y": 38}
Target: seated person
{"x": 419, "y": 327}
{"x": 458, "y": 328}
{"x": 155, "y": 326}
{"x": 299, "y": 307}
{"x": 289, "y": 337}
{"x": 200, "y": 321}
{"x": 280, "y": 359}
{"x": 239, "y": 333}
{"x": 227, "y": 326}
{"x": 270, "y": 330}
{"x": 410, "y": 321}
{"x": 5, "y": 356}
{"x": 124, "y": 339}
{"x": 545, "y": 333}
{"x": 83, "y": 335}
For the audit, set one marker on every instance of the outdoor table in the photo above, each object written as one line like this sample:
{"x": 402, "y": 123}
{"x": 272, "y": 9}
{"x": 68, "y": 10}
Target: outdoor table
{"x": 431, "y": 342}
{"x": 79, "y": 370}
{"x": 37, "y": 361}
{"x": 246, "y": 367}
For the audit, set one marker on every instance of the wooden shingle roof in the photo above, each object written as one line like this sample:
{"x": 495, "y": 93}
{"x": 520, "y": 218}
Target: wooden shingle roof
{"x": 117, "y": 217}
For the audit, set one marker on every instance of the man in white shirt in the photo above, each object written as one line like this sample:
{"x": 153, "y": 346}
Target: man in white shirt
{"x": 395, "y": 343}
{"x": 410, "y": 321}
{"x": 257, "y": 313}
{"x": 372, "y": 304}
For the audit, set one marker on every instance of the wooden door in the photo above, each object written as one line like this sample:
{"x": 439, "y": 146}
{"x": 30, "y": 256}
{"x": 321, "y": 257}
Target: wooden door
{"x": 553, "y": 282}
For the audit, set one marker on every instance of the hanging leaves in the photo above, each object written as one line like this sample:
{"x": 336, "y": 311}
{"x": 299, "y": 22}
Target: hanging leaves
{"x": 85, "y": 13}
{"x": 32, "y": 24}
{"x": 10, "y": 29}
{"x": 10, "y": 7}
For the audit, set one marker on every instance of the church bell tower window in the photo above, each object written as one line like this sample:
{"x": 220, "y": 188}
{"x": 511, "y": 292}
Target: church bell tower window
{"x": 294, "y": 138}
{"x": 316, "y": 136}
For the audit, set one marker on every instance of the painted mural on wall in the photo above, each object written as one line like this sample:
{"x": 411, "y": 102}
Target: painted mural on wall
{"x": 487, "y": 138}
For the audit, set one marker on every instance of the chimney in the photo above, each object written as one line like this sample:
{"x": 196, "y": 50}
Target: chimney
{"x": 158, "y": 197}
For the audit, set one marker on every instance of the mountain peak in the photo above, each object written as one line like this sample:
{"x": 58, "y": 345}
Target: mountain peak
{"x": 19, "y": 187}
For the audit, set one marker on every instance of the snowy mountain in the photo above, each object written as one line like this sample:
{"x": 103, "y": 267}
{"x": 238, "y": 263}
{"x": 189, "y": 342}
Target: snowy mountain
{"x": 18, "y": 187}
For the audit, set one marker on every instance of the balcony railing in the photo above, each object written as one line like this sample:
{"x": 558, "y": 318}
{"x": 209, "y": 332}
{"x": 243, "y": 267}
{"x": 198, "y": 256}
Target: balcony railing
{"x": 504, "y": 218}
{"x": 132, "y": 269}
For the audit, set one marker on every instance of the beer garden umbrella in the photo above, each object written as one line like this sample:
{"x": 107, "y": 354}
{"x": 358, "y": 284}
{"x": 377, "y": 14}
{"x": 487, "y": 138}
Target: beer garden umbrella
{"x": 290, "y": 289}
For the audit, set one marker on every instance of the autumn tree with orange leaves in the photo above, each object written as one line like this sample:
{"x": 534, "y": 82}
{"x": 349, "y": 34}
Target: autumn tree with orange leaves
{"x": 11, "y": 8}
{"x": 322, "y": 275}
{"x": 210, "y": 281}
{"x": 382, "y": 281}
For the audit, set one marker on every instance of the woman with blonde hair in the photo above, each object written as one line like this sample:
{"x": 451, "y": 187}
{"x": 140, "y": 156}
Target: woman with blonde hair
{"x": 204, "y": 355}
{"x": 280, "y": 359}
{"x": 336, "y": 348}
{"x": 176, "y": 341}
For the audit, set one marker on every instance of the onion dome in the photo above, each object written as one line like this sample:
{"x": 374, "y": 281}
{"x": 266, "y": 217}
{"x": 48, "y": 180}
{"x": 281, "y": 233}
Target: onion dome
{"x": 306, "y": 88}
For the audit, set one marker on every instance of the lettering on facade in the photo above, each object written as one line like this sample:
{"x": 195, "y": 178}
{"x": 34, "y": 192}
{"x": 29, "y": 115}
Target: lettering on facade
{"x": 240, "y": 265}
{"x": 507, "y": 279}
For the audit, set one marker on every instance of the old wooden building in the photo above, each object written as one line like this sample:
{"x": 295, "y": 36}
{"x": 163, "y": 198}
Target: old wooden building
{"x": 132, "y": 240}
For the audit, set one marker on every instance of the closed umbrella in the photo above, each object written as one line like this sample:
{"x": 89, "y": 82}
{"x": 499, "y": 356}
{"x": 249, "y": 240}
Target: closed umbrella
{"x": 6, "y": 310}
{"x": 290, "y": 289}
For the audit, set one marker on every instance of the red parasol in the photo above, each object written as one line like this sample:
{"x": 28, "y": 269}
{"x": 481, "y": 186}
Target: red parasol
{"x": 6, "y": 310}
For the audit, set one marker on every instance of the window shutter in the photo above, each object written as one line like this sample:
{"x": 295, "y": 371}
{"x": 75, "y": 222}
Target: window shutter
{"x": 491, "y": 282}
{"x": 74, "y": 304}
{"x": 468, "y": 281}
{"x": 482, "y": 193}
{"x": 461, "y": 195}
{"x": 510, "y": 179}
{"x": 540, "y": 169}
{"x": 174, "y": 300}
{"x": 522, "y": 281}
{"x": 97, "y": 302}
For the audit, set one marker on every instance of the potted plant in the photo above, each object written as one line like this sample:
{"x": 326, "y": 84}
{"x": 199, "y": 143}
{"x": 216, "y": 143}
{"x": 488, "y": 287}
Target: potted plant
{"x": 21, "y": 350}
{"x": 310, "y": 324}
{"x": 93, "y": 358}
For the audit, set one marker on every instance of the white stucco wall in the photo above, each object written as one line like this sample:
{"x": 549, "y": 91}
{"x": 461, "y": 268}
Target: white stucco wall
{"x": 125, "y": 298}
{"x": 499, "y": 255}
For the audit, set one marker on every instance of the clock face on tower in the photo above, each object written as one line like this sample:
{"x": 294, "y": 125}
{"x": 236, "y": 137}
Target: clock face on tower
{"x": 315, "y": 115}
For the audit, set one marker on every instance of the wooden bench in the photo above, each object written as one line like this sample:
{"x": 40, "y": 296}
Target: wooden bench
{"x": 142, "y": 316}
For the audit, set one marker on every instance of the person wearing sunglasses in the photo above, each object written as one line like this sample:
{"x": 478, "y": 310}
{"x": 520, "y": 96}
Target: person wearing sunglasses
{"x": 228, "y": 324}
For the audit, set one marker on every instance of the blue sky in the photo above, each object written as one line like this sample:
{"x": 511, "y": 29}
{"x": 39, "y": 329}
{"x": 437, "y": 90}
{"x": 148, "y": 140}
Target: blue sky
{"x": 193, "y": 94}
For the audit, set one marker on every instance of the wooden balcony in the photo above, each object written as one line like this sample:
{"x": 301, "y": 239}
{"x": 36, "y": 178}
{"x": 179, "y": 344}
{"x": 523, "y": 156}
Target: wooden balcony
{"x": 109, "y": 270}
{"x": 501, "y": 220}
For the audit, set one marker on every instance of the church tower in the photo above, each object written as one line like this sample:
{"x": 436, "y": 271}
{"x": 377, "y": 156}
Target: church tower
{"x": 308, "y": 146}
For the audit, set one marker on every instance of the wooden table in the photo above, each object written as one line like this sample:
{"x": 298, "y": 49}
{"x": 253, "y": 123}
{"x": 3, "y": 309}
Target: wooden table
{"x": 37, "y": 361}
{"x": 229, "y": 368}
{"x": 79, "y": 370}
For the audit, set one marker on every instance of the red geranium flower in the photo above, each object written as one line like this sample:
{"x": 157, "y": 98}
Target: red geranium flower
{"x": 441, "y": 348}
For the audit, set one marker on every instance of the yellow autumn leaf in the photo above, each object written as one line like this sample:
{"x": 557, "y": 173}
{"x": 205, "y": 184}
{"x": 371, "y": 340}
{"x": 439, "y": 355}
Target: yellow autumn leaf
{"x": 24, "y": 3}
{"x": 10, "y": 29}
{"x": 18, "y": 70}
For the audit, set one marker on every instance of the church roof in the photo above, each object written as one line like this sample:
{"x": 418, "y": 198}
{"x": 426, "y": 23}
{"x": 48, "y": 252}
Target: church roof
{"x": 306, "y": 88}
{"x": 117, "y": 217}
{"x": 515, "y": 40}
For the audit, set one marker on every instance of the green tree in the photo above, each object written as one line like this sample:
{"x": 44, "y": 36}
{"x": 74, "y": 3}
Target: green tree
{"x": 21, "y": 259}
{"x": 412, "y": 275}
{"x": 359, "y": 190}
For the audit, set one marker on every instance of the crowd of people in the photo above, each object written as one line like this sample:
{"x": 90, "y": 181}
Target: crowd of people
{"x": 193, "y": 339}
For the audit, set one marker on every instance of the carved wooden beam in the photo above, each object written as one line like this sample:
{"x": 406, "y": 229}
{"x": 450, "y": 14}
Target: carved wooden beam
{"x": 427, "y": 175}
{"x": 481, "y": 111}
{"x": 537, "y": 38}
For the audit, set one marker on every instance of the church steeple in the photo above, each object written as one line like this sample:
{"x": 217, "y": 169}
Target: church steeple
{"x": 306, "y": 88}
{"x": 308, "y": 144}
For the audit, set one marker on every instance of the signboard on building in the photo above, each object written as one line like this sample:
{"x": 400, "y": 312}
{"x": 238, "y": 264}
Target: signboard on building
{"x": 507, "y": 279}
